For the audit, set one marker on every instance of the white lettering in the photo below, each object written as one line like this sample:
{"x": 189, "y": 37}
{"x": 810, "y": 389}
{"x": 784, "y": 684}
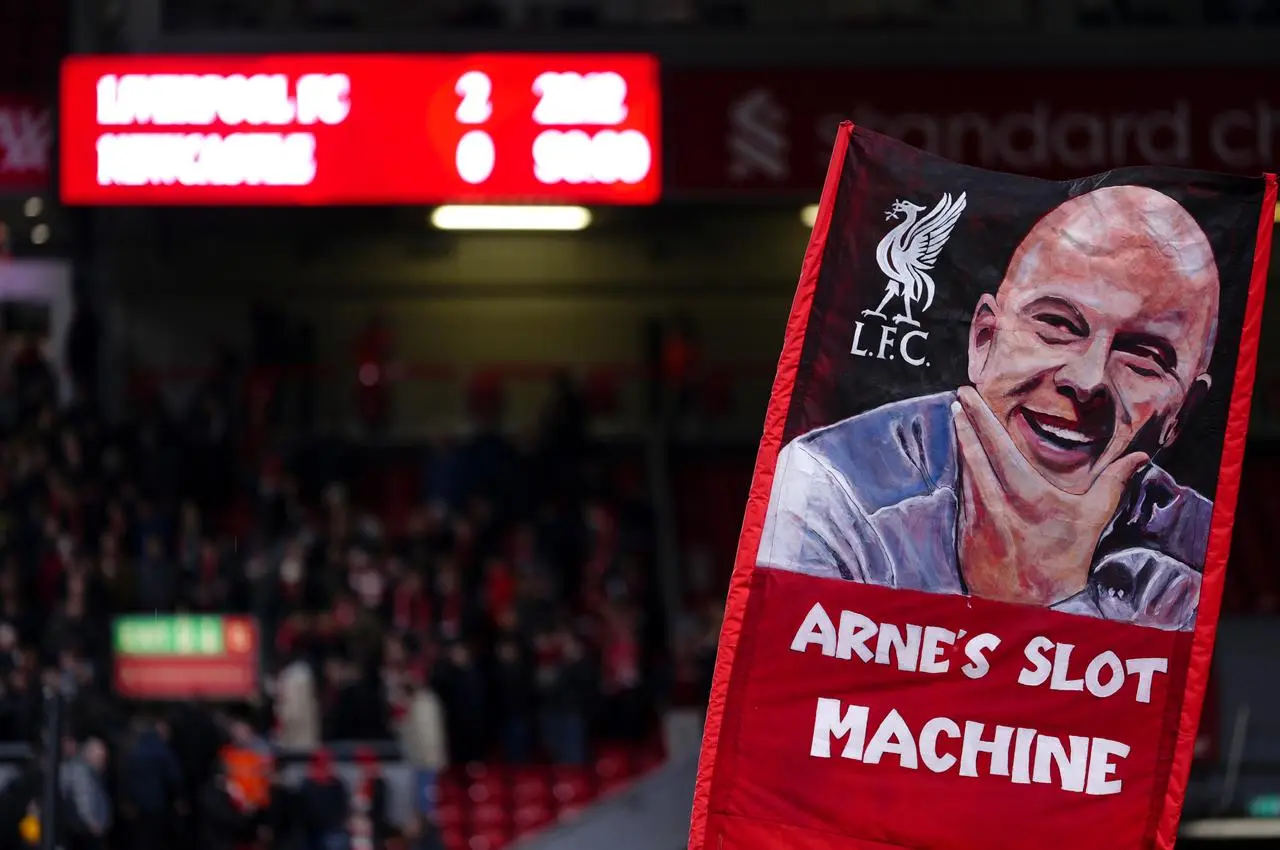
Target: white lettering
{"x": 975, "y": 650}
{"x": 475, "y": 89}
{"x": 1071, "y": 769}
{"x": 892, "y": 644}
{"x": 595, "y": 99}
{"x": 196, "y": 159}
{"x": 200, "y": 100}
{"x": 1110, "y": 662}
{"x": 1035, "y": 652}
{"x": 1145, "y": 669}
{"x": 906, "y": 354}
{"x": 475, "y": 157}
{"x": 975, "y": 745}
{"x": 817, "y": 628}
{"x": 855, "y": 631}
{"x": 887, "y": 333}
{"x": 828, "y": 723}
{"x": 1022, "y": 757}
{"x": 1059, "y": 681}
{"x": 577, "y": 157}
{"x": 1041, "y": 137}
{"x": 892, "y": 736}
{"x": 1101, "y": 767}
{"x": 1104, "y": 676}
{"x": 936, "y": 641}
{"x": 929, "y": 744}
{"x": 324, "y": 98}
{"x": 1081, "y": 764}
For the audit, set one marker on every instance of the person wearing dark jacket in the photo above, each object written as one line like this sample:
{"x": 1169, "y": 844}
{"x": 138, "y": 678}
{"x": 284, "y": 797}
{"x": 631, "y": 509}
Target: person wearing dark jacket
{"x": 220, "y": 820}
{"x": 151, "y": 785}
{"x": 323, "y": 806}
{"x": 278, "y": 826}
{"x": 369, "y": 797}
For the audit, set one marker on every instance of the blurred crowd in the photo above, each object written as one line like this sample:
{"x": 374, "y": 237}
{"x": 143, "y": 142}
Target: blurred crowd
{"x": 512, "y": 615}
{"x": 594, "y": 14}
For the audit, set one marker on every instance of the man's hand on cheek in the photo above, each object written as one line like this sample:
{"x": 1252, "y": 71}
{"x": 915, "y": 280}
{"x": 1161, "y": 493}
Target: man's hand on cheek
{"x": 1021, "y": 539}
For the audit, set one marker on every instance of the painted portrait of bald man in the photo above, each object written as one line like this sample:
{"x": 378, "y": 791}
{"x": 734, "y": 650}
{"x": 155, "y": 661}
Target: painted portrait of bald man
{"x": 1036, "y": 482}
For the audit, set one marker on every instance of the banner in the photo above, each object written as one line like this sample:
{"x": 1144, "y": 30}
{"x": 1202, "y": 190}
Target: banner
{"x": 768, "y": 133}
{"x": 983, "y": 554}
{"x": 26, "y": 144}
{"x": 360, "y": 129}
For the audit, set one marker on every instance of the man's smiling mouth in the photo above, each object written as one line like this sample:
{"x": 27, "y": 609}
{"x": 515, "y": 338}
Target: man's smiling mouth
{"x": 1063, "y": 443}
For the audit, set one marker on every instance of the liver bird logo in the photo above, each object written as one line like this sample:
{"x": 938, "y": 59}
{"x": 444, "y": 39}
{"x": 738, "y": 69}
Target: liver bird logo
{"x": 909, "y": 252}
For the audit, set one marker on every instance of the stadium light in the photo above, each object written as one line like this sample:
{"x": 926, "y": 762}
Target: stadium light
{"x": 510, "y": 218}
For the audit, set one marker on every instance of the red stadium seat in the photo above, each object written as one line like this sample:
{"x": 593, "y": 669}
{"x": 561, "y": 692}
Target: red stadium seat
{"x": 489, "y": 839}
{"x": 569, "y": 813}
{"x": 612, "y": 764}
{"x": 648, "y": 759}
{"x": 476, "y": 770}
{"x": 490, "y": 816}
{"x": 450, "y": 815}
{"x": 531, "y": 817}
{"x": 531, "y": 786}
{"x": 491, "y": 789}
{"x": 613, "y": 769}
{"x": 572, "y": 787}
{"x": 453, "y": 839}
{"x": 449, "y": 790}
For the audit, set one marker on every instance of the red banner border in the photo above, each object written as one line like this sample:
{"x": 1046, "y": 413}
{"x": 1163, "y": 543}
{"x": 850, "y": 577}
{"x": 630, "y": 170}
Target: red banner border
{"x": 761, "y": 482}
{"x": 771, "y": 443}
{"x": 1224, "y": 509}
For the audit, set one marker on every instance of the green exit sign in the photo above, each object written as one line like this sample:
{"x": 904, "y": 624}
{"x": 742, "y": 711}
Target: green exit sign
{"x": 176, "y": 635}
{"x": 1265, "y": 806}
{"x": 200, "y": 656}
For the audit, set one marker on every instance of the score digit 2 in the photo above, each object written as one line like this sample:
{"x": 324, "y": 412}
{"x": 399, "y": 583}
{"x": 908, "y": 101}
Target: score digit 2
{"x": 476, "y": 154}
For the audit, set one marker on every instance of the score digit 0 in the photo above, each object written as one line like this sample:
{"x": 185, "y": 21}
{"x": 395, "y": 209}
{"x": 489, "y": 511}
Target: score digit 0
{"x": 475, "y": 155}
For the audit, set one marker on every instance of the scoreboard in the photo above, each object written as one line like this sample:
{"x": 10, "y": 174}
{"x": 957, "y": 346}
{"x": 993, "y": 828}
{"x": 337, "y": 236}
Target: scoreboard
{"x": 360, "y": 129}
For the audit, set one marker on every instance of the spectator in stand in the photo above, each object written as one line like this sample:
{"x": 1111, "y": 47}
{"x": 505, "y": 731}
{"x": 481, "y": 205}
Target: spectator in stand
{"x": 421, "y": 834}
{"x": 620, "y": 680}
{"x": 277, "y": 826}
{"x": 565, "y": 680}
{"x": 248, "y": 762}
{"x": 323, "y": 806}
{"x": 150, "y": 785}
{"x": 297, "y": 709}
{"x": 221, "y": 817}
{"x": 196, "y": 740}
{"x": 513, "y": 696}
{"x": 88, "y": 807}
{"x": 370, "y": 822}
{"x": 422, "y": 735}
{"x": 461, "y": 687}
{"x": 426, "y": 637}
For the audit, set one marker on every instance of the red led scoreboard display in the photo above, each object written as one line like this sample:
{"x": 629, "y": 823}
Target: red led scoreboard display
{"x": 353, "y": 129}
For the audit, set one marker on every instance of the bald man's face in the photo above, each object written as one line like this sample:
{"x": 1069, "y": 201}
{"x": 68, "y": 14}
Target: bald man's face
{"x": 1099, "y": 335}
